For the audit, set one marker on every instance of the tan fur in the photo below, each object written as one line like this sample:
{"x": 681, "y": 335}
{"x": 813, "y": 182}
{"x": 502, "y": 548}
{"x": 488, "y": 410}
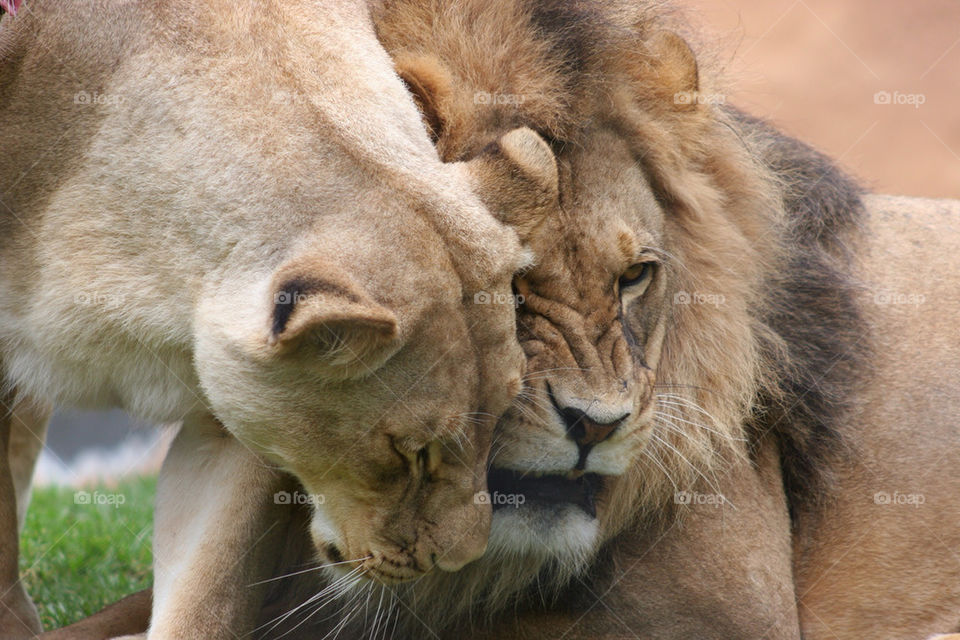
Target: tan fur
{"x": 878, "y": 559}
{"x": 250, "y": 231}
{"x": 672, "y": 571}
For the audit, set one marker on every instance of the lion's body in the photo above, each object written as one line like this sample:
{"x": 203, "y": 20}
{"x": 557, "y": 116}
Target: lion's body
{"x": 876, "y": 557}
{"x": 818, "y": 399}
{"x": 205, "y": 218}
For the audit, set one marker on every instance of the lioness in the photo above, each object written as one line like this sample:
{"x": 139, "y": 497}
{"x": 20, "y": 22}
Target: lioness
{"x": 231, "y": 215}
{"x": 783, "y": 406}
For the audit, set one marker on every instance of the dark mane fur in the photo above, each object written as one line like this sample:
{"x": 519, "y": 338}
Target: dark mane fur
{"x": 813, "y": 309}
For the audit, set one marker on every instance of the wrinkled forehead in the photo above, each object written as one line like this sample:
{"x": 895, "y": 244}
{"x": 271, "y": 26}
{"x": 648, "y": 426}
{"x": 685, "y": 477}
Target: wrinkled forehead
{"x": 611, "y": 217}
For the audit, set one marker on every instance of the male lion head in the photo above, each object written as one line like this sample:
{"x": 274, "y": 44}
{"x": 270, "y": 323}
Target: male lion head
{"x": 640, "y": 319}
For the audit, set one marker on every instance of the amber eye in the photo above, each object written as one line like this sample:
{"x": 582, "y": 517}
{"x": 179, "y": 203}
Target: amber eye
{"x": 636, "y": 274}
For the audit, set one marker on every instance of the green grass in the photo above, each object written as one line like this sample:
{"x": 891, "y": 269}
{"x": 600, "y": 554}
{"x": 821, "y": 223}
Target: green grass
{"x": 75, "y": 558}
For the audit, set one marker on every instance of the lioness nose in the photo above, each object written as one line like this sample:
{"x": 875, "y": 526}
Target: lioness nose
{"x": 585, "y": 431}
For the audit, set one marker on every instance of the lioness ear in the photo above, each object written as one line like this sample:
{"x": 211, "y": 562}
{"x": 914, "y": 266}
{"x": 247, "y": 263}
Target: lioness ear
{"x": 516, "y": 177}
{"x": 676, "y": 66}
{"x": 317, "y": 305}
{"x": 430, "y": 84}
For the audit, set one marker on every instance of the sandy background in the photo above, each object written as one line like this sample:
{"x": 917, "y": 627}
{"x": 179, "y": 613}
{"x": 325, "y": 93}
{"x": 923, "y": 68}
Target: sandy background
{"x": 815, "y": 66}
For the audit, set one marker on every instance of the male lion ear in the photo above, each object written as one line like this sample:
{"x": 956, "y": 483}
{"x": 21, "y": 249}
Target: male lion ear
{"x": 675, "y": 64}
{"x": 516, "y": 177}
{"x": 316, "y": 305}
{"x": 430, "y": 85}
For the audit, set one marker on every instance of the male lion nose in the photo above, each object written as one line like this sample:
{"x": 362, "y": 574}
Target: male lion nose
{"x": 585, "y": 431}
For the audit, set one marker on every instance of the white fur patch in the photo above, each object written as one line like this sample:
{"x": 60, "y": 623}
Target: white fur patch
{"x": 562, "y": 534}
{"x": 322, "y": 529}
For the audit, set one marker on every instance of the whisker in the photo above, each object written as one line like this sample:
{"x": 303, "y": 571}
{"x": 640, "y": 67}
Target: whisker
{"x": 709, "y": 482}
{"x": 317, "y": 568}
{"x": 343, "y": 619}
{"x": 332, "y": 587}
{"x": 698, "y": 425}
{"x": 542, "y": 371}
{"x": 645, "y": 451}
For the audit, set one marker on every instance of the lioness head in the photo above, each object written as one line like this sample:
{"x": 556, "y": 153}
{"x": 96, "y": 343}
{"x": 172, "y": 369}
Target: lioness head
{"x": 371, "y": 370}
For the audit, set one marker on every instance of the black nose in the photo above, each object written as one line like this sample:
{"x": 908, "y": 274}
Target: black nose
{"x": 581, "y": 428}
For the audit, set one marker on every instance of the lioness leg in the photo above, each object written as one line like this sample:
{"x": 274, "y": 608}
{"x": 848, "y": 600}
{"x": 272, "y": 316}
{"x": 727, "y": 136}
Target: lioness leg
{"x": 28, "y": 433}
{"x": 216, "y": 533}
{"x": 18, "y": 616}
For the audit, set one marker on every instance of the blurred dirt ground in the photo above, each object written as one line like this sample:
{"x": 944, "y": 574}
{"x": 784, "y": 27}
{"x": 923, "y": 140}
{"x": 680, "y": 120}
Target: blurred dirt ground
{"x": 821, "y": 70}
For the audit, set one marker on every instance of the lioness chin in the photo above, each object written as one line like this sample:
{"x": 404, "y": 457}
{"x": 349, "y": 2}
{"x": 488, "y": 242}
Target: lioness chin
{"x": 277, "y": 283}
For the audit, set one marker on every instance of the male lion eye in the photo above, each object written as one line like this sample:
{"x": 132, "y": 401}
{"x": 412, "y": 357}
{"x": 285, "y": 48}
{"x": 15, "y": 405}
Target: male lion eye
{"x": 636, "y": 274}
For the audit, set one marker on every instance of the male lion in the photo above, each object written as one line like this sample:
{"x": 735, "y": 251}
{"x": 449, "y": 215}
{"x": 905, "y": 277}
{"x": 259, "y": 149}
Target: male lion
{"x": 277, "y": 282}
{"x": 772, "y": 402}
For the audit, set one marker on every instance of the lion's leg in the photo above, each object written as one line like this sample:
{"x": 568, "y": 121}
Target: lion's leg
{"x": 126, "y": 618}
{"x": 28, "y": 433}
{"x": 18, "y": 616}
{"x": 217, "y": 532}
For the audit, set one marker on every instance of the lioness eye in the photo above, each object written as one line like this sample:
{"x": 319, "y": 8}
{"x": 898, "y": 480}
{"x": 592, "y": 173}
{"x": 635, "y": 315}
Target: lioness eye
{"x": 636, "y": 274}
{"x": 428, "y": 459}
